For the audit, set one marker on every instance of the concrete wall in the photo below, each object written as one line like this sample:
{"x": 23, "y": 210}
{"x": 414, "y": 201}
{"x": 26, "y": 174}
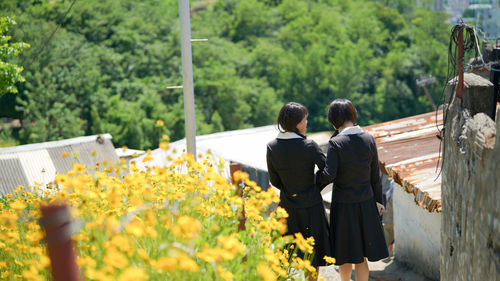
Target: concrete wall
{"x": 470, "y": 237}
{"x": 416, "y": 234}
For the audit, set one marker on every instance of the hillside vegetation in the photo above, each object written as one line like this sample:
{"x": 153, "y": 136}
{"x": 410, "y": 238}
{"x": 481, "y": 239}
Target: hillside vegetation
{"x": 102, "y": 66}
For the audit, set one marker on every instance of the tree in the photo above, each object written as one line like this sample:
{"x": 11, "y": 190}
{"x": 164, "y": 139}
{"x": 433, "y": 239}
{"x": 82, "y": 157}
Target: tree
{"x": 10, "y": 73}
{"x": 108, "y": 64}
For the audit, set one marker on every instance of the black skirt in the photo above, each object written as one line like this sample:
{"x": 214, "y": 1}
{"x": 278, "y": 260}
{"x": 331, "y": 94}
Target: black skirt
{"x": 311, "y": 222}
{"x": 356, "y": 232}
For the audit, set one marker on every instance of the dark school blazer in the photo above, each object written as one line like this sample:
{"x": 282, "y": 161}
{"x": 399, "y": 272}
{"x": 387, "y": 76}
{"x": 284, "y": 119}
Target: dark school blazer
{"x": 290, "y": 164}
{"x": 352, "y": 165}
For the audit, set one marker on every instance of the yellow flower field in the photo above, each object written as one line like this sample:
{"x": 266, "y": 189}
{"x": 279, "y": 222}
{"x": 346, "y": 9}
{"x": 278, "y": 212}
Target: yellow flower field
{"x": 153, "y": 225}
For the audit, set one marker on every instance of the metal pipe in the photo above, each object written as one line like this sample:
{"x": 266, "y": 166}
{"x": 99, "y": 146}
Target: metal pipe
{"x": 460, "y": 61}
{"x": 187, "y": 77}
{"x": 56, "y": 220}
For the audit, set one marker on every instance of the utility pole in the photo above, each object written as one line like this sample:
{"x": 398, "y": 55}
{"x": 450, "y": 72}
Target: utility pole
{"x": 187, "y": 77}
{"x": 423, "y": 83}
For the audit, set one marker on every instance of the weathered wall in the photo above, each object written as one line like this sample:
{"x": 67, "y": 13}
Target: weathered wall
{"x": 470, "y": 237}
{"x": 416, "y": 234}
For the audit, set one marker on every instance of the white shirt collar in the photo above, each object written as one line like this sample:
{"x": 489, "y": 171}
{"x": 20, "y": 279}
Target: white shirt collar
{"x": 354, "y": 130}
{"x": 288, "y": 135}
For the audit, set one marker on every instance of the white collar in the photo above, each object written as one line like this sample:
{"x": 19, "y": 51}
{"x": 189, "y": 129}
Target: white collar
{"x": 288, "y": 135}
{"x": 354, "y": 130}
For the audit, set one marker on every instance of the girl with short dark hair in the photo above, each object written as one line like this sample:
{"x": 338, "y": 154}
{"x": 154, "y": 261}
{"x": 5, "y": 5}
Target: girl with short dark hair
{"x": 352, "y": 166}
{"x": 291, "y": 159}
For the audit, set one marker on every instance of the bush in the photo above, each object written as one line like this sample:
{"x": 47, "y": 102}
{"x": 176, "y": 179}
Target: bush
{"x": 157, "y": 224}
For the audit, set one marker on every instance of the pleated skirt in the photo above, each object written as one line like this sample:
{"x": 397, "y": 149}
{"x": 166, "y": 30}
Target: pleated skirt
{"x": 311, "y": 221}
{"x": 356, "y": 232}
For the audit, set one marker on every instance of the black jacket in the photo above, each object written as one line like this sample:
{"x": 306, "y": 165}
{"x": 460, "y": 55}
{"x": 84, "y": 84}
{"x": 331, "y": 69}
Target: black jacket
{"x": 352, "y": 165}
{"x": 290, "y": 164}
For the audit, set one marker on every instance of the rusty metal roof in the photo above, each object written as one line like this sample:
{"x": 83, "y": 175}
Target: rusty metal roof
{"x": 408, "y": 151}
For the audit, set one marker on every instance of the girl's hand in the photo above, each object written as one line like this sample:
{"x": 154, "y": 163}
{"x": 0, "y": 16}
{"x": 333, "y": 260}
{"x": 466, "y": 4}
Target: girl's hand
{"x": 380, "y": 208}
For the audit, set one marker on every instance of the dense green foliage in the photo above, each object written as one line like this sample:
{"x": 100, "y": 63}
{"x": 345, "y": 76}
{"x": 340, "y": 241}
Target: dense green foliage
{"x": 107, "y": 66}
{"x": 9, "y": 72}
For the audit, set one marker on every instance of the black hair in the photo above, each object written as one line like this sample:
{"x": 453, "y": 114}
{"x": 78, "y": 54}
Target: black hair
{"x": 340, "y": 111}
{"x": 291, "y": 114}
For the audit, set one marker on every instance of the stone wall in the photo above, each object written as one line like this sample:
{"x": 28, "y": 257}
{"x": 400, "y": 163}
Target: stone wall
{"x": 470, "y": 236}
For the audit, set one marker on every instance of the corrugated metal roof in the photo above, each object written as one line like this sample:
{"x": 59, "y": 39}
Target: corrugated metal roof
{"x": 62, "y": 164}
{"x": 51, "y": 144}
{"x": 247, "y": 146}
{"x": 12, "y": 175}
{"x": 408, "y": 151}
{"x": 164, "y": 158}
{"x": 37, "y": 166}
{"x": 403, "y": 125}
{"x": 38, "y": 163}
{"x": 127, "y": 152}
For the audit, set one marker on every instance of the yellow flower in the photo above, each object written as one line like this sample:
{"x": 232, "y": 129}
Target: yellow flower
{"x": 135, "y": 228}
{"x": 19, "y": 188}
{"x": 133, "y": 274}
{"x": 186, "y": 227}
{"x": 159, "y": 123}
{"x": 35, "y": 250}
{"x": 100, "y": 275}
{"x": 166, "y": 264}
{"x": 284, "y": 258}
{"x": 231, "y": 244}
{"x": 44, "y": 262}
{"x": 62, "y": 179}
{"x": 4, "y": 275}
{"x": 163, "y": 145}
{"x": 304, "y": 264}
{"x": 143, "y": 254}
{"x": 111, "y": 223}
{"x": 303, "y": 244}
{"x": 186, "y": 263}
{"x": 79, "y": 168}
{"x": 165, "y": 138}
{"x": 115, "y": 259}
{"x": 65, "y": 154}
{"x": 281, "y": 213}
{"x": 329, "y": 260}
{"x": 85, "y": 261}
{"x": 266, "y": 273}
{"x": 226, "y": 275}
{"x": 32, "y": 274}
{"x": 147, "y": 158}
{"x": 240, "y": 176}
{"x": 214, "y": 255}
{"x": 18, "y": 204}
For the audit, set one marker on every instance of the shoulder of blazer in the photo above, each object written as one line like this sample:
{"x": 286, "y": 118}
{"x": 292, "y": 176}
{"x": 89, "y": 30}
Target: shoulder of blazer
{"x": 336, "y": 140}
{"x": 272, "y": 142}
{"x": 311, "y": 143}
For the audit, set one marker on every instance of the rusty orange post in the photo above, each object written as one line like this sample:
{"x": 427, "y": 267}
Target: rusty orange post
{"x": 56, "y": 220}
{"x": 233, "y": 167}
{"x": 460, "y": 85}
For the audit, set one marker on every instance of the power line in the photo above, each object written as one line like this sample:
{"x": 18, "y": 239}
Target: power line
{"x": 52, "y": 34}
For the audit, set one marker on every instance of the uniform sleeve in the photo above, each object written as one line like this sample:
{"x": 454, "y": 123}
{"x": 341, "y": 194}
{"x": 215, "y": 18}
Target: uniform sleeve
{"x": 329, "y": 173}
{"x": 319, "y": 156}
{"x": 375, "y": 177}
{"x": 271, "y": 170}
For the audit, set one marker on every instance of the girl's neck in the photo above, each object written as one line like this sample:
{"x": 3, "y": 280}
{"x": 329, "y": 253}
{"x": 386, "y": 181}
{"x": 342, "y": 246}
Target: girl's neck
{"x": 346, "y": 125}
